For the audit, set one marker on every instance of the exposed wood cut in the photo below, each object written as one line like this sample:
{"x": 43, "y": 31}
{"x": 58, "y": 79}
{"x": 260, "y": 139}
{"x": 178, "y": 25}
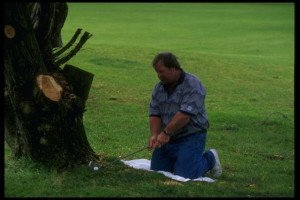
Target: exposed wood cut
{"x": 9, "y": 31}
{"x": 49, "y": 87}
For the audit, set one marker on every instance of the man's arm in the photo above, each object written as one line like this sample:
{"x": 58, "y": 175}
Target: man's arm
{"x": 155, "y": 129}
{"x": 155, "y": 125}
{"x": 179, "y": 120}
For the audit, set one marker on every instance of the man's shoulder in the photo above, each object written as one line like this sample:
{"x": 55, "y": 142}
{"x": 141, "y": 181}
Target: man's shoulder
{"x": 191, "y": 78}
{"x": 194, "y": 83}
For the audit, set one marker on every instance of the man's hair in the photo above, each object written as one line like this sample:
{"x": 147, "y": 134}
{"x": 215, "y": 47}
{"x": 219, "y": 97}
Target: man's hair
{"x": 169, "y": 60}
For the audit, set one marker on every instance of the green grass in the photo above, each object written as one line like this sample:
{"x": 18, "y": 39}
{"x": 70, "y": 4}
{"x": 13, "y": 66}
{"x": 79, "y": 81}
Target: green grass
{"x": 244, "y": 55}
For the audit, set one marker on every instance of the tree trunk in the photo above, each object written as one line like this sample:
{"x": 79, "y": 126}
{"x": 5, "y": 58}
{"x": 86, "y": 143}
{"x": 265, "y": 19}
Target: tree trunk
{"x": 43, "y": 113}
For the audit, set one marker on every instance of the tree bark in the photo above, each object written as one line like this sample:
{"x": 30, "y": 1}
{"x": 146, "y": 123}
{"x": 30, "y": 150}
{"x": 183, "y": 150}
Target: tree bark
{"x": 43, "y": 113}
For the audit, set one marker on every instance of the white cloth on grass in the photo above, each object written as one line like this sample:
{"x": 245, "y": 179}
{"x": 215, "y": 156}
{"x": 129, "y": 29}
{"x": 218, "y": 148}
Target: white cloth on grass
{"x": 144, "y": 164}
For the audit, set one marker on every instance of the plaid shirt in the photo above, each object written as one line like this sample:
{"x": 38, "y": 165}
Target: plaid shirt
{"x": 188, "y": 97}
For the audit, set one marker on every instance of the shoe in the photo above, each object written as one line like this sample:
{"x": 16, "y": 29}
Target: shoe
{"x": 216, "y": 171}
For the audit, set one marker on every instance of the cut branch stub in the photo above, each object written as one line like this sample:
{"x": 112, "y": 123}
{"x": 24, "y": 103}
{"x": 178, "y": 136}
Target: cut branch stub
{"x": 9, "y": 31}
{"x": 50, "y": 88}
{"x": 73, "y": 52}
{"x": 68, "y": 45}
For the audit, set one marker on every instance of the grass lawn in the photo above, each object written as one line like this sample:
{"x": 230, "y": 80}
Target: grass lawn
{"x": 244, "y": 55}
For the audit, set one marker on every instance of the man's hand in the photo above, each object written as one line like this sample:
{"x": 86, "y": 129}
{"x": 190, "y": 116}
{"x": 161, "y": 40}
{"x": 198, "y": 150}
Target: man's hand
{"x": 162, "y": 139}
{"x": 152, "y": 141}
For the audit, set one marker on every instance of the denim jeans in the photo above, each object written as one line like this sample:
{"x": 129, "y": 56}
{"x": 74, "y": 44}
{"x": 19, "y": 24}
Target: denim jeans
{"x": 184, "y": 157}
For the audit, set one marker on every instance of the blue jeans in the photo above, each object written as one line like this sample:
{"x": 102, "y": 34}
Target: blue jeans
{"x": 184, "y": 157}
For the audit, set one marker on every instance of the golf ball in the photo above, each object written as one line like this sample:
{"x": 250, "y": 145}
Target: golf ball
{"x": 96, "y": 168}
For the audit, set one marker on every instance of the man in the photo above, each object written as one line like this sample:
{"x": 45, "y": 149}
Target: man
{"x": 178, "y": 122}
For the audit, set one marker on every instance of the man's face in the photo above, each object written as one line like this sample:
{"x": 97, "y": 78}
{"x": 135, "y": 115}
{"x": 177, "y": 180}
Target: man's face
{"x": 166, "y": 75}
